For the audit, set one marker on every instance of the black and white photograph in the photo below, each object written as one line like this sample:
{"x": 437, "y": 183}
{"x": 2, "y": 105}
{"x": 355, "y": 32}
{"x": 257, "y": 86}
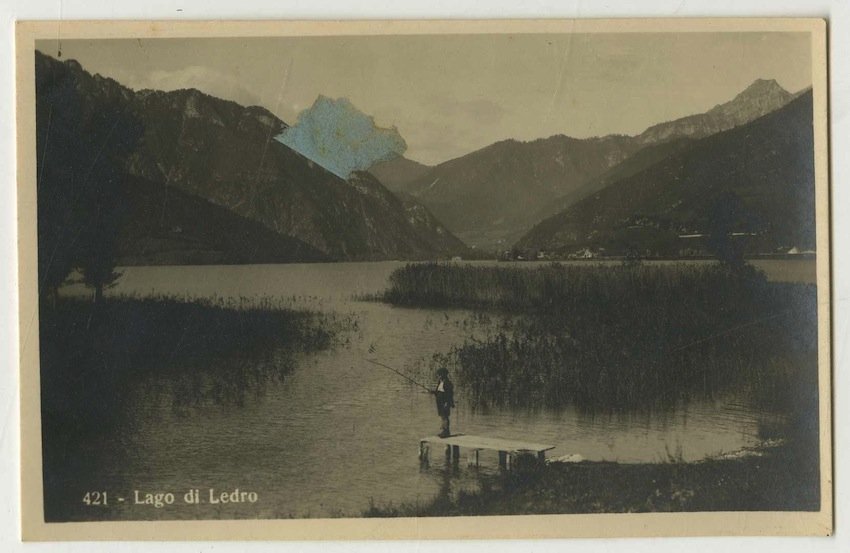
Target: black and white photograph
{"x": 427, "y": 272}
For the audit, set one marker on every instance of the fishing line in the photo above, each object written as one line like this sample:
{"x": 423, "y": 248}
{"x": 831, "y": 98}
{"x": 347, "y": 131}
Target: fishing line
{"x": 401, "y": 374}
{"x": 686, "y": 346}
{"x": 729, "y": 330}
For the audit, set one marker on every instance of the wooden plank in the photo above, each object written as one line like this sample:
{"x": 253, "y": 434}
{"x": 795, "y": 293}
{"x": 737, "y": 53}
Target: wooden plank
{"x": 483, "y": 442}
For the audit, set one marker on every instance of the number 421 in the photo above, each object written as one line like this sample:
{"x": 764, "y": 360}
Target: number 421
{"x": 95, "y": 498}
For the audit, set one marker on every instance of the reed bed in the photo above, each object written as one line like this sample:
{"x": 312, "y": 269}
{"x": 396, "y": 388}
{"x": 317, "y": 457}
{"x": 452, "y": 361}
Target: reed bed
{"x": 93, "y": 357}
{"x": 619, "y": 337}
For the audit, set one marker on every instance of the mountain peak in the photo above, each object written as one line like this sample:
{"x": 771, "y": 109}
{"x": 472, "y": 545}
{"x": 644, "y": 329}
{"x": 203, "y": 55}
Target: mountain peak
{"x": 760, "y": 98}
{"x": 630, "y": 209}
{"x": 761, "y": 87}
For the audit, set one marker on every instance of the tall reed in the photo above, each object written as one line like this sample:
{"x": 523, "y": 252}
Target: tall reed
{"x": 618, "y": 337}
{"x": 218, "y": 350}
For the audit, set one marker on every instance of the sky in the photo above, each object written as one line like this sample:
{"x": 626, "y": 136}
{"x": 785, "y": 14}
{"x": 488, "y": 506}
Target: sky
{"x": 448, "y": 95}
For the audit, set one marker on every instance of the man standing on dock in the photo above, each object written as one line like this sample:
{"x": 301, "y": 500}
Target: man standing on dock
{"x": 445, "y": 395}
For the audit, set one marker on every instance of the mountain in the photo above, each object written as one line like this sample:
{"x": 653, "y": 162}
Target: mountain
{"x": 760, "y": 98}
{"x": 489, "y": 194}
{"x": 760, "y": 173}
{"x": 397, "y": 174}
{"x": 225, "y": 154}
{"x": 633, "y": 164}
{"x": 492, "y": 196}
{"x": 165, "y": 226}
{"x": 402, "y": 220}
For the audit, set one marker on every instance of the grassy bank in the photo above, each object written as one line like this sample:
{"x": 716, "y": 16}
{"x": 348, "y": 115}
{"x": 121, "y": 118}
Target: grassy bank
{"x": 619, "y": 337}
{"x": 220, "y": 351}
{"x": 776, "y": 479}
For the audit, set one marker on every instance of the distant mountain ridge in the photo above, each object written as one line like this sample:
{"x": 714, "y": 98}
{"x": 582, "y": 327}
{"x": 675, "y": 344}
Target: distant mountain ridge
{"x": 168, "y": 227}
{"x": 766, "y": 166}
{"x": 492, "y": 196}
{"x": 484, "y": 196}
{"x": 225, "y": 153}
{"x": 760, "y": 98}
{"x": 397, "y": 174}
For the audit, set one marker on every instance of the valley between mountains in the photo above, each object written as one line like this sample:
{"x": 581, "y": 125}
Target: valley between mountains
{"x": 200, "y": 159}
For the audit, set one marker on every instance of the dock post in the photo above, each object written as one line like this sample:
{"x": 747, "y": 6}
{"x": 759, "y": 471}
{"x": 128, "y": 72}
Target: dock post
{"x": 510, "y": 451}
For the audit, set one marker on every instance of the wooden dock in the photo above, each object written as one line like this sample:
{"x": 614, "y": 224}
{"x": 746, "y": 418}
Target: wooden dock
{"x": 507, "y": 448}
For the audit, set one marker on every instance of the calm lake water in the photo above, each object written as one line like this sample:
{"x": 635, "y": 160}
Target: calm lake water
{"x": 339, "y": 431}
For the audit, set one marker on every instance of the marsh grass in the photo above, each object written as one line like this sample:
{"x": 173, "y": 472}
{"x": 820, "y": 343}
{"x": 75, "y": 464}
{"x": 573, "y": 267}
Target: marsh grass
{"x": 194, "y": 352}
{"x": 609, "y": 338}
{"x": 628, "y": 341}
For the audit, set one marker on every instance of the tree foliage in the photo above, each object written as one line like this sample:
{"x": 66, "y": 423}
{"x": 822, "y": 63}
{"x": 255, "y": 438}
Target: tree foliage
{"x": 725, "y": 216}
{"x": 81, "y": 143}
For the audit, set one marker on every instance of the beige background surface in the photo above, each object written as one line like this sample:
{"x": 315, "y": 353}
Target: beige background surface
{"x": 683, "y": 524}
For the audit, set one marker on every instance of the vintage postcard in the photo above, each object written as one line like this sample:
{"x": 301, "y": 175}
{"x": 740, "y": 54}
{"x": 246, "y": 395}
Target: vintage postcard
{"x": 400, "y": 279}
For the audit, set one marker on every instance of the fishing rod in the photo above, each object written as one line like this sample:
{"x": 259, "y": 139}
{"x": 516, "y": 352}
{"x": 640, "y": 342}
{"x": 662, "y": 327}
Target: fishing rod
{"x": 401, "y": 374}
{"x": 675, "y": 350}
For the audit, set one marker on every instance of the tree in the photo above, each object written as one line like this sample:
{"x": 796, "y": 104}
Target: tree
{"x": 726, "y": 215}
{"x": 59, "y": 217}
{"x": 96, "y": 249}
{"x": 632, "y": 257}
{"x": 83, "y": 136}
{"x": 115, "y": 132}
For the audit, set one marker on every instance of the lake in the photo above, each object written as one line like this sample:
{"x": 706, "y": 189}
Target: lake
{"x": 339, "y": 432}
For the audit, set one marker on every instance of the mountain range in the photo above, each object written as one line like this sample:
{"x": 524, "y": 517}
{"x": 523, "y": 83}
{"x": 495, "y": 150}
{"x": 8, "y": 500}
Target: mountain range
{"x": 217, "y": 155}
{"x": 762, "y": 170}
{"x": 206, "y": 182}
{"x": 491, "y": 197}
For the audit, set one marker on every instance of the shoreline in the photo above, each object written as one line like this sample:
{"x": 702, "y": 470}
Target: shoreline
{"x": 151, "y": 261}
{"x": 772, "y": 478}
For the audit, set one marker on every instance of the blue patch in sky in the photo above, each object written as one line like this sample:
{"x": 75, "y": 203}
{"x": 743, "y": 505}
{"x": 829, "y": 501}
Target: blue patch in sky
{"x": 341, "y": 138}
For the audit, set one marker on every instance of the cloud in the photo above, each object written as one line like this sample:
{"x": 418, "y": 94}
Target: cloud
{"x": 341, "y": 138}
